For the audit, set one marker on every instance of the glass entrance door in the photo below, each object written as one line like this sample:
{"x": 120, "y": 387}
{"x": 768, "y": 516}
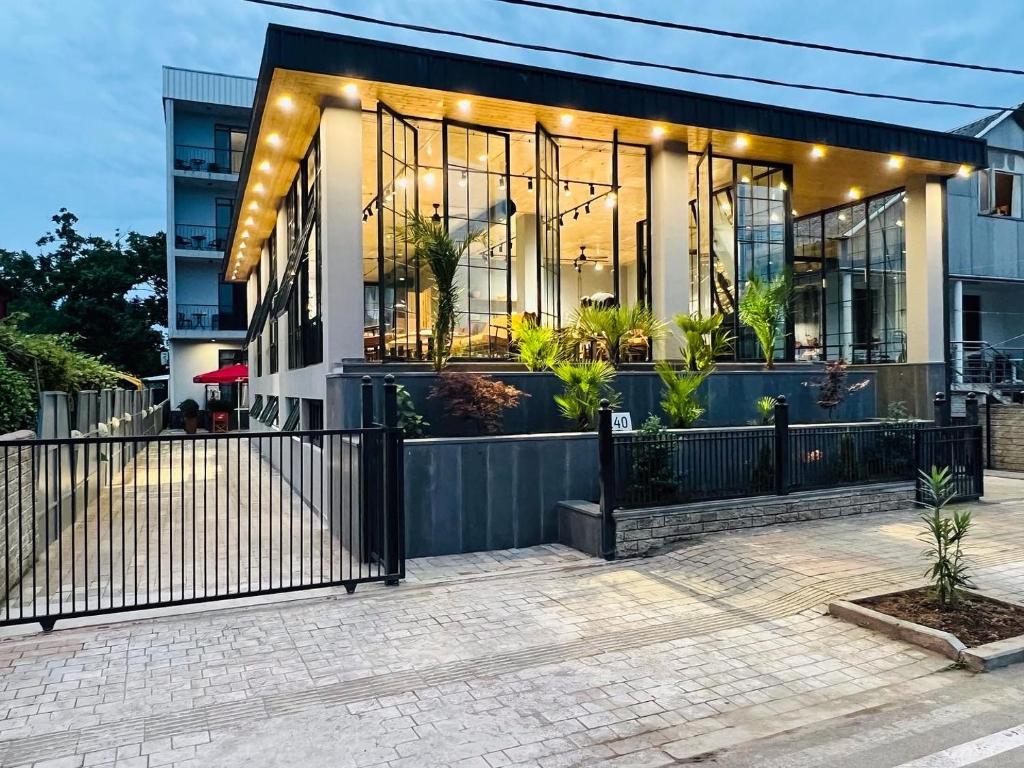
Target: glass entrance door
{"x": 398, "y": 274}
{"x": 548, "y": 230}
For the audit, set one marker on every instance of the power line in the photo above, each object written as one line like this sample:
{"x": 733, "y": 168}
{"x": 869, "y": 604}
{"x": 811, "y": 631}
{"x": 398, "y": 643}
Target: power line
{"x": 616, "y": 60}
{"x": 760, "y": 38}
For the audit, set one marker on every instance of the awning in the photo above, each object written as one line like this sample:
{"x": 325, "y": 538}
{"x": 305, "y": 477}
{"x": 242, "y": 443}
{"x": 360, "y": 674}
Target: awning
{"x": 229, "y": 374}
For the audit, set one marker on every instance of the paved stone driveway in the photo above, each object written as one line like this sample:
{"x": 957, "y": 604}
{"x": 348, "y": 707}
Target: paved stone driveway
{"x": 531, "y": 658}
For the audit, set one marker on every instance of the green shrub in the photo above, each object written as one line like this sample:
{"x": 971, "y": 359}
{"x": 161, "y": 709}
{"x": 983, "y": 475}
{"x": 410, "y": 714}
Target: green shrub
{"x": 538, "y": 347}
{"x": 410, "y": 421}
{"x": 651, "y": 475}
{"x": 704, "y": 340}
{"x": 585, "y": 385}
{"x": 612, "y": 327}
{"x": 679, "y": 394}
{"x": 17, "y": 400}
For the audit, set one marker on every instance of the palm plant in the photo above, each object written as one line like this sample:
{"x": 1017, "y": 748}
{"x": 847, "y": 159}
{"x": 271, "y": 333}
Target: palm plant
{"x": 611, "y": 326}
{"x": 765, "y": 407}
{"x": 442, "y": 255}
{"x": 680, "y": 401}
{"x": 763, "y": 309}
{"x": 585, "y": 385}
{"x": 538, "y": 347}
{"x": 945, "y": 535}
{"x": 704, "y": 339}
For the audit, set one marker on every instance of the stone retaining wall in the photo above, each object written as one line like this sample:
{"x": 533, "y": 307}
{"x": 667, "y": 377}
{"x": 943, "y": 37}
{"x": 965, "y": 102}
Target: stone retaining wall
{"x": 638, "y": 531}
{"x": 17, "y": 492}
{"x": 1007, "y": 437}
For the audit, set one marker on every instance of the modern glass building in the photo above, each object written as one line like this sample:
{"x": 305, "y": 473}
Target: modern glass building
{"x": 583, "y": 189}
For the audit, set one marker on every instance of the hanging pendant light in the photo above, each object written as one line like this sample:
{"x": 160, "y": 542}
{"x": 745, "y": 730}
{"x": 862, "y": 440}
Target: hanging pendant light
{"x": 436, "y": 218}
{"x": 529, "y": 183}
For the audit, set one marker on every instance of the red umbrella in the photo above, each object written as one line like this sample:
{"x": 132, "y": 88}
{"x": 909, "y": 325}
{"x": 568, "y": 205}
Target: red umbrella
{"x": 229, "y": 374}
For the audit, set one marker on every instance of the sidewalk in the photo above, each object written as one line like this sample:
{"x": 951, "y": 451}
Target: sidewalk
{"x": 523, "y": 658}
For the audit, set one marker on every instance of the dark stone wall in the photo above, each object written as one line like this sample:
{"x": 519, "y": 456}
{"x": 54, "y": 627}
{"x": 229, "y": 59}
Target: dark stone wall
{"x": 913, "y": 384}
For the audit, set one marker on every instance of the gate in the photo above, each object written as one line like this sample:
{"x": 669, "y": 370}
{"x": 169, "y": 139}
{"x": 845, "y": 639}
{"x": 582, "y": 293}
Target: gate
{"x": 100, "y": 525}
{"x": 957, "y": 447}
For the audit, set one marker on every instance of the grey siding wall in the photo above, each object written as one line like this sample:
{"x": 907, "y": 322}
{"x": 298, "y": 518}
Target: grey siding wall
{"x": 21, "y": 516}
{"x": 478, "y": 494}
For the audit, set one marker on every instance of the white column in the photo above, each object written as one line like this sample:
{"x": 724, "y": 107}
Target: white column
{"x": 925, "y": 284}
{"x": 670, "y": 238}
{"x": 526, "y": 261}
{"x": 846, "y": 307}
{"x": 341, "y": 135}
{"x": 956, "y": 331}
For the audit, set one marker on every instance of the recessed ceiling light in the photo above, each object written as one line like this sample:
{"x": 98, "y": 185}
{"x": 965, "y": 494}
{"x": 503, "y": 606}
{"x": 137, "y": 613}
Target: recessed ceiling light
{"x": 658, "y": 131}
{"x": 895, "y": 161}
{"x": 464, "y": 105}
{"x": 745, "y": 179}
{"x": 350, "y": 89}
{"x": 254, "y": 206}
{"x": 742, "y": 142}
{"x": 566, "y": 120}
{"x": 245, "y": 235}
{"x": 286, "y": 103}
{"x": 482, "y": 158}
{"x": 274, "y": 140}
{"x": 428, "y": 178}
{"x": 265, "y": 166}
{"x": 258, "y": 188}
{"x": 854, "y": 193}
{"x": 964, "y": 171}
{"x": 250, "y": 221}
{"x": 817, "y": 152}
{"x": 241, "y": 246}
{"x": 794, "y": 212}
{"x": 783, "y": 186}
{"x": 899, "y": 222}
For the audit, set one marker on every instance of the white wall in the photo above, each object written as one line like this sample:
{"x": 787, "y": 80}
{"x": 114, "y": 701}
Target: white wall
{"x": 197, "y": 281}
{"x": 670, "y": 236}
{"x": 187, "y": 360}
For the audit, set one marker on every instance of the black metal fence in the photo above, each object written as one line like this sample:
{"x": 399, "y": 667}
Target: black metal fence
{"x": 179, "y": 518}
{"x": 642, "y": 469}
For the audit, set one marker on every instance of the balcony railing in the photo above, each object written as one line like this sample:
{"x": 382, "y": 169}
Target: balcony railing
{"x": 209, "y": 317}
{"x": 206, "y": 159}
{"x": 200, "y": 237}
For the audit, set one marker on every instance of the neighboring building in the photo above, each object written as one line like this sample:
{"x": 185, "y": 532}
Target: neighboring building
{"x": 207, "y": 119}
{"x": 986, "y": 261}
{"x": 582, "y": 186}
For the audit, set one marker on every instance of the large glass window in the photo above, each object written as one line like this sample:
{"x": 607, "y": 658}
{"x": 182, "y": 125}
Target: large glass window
{"x": 862, "y": 252}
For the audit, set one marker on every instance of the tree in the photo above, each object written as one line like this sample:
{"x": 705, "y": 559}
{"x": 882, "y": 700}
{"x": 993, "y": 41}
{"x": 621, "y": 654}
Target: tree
{"x": 763, "y": 308}
{"x": 110, "y": 295}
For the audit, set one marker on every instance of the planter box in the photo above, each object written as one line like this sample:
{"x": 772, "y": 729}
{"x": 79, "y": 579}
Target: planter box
{"x": 982, "y": 658}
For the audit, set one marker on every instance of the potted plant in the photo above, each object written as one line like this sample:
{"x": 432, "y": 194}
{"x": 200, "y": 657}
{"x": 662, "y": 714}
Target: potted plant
{"x": 190, "y": 413}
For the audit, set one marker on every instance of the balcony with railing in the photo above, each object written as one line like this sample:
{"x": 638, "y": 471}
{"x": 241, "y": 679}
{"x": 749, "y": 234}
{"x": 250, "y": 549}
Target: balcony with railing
{"x": 200, "y": 237}
{"x": 209, "y": 318}
{"x": 192, "y": 159}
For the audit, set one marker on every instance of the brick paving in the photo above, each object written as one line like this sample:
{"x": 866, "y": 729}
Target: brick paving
{"x": 531, "y": 658}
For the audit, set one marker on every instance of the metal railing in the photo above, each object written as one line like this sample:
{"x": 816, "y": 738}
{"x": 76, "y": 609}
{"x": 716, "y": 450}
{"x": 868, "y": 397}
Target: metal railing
{"x": 206, "y": 159}
{"x": 178, "y": 519}
{"x": 200, "y": 237}
{"x": 208, "y": 317}
{"x": 978, "y": 362}
{"x": 828, "y": 456}
{"x": 957, "y": 448}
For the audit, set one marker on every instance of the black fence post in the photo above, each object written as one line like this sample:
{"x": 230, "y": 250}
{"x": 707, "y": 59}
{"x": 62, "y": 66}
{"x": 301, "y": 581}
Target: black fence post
{"x": 977, "y": 448}
{"x": 367, "y": 393}
{"x": 606, "y": 478}
{"x": 781, "y": 463}
{"x": 988, "y": 430}
{"x": 941, "y": 408}
{"x": 392, "y": 485}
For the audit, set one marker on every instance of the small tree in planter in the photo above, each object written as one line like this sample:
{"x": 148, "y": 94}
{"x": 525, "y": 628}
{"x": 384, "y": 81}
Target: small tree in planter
{"x": 945, "y": 536}
{"x": 190, "y": 414}
{"x": 832, "y": 387}
{"x": 763, "y": 308}
{"x": 478, "y": 399}
{"x": 704, "y": 340}
{"x": 612, "y": 330}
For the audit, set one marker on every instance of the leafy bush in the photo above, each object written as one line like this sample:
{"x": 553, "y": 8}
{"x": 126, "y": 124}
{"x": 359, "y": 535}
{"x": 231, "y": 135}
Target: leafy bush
{"x": 679, "y": 400}
{"x": 17, "y": 401}
{"x": 945, "y": 536}
{"x": 585, "y": 385}
{"x": 477, "y": 398}
{"x": 765, "y": 407}
{"x": 611, "y": 328}
{"x": 763, "y": 309}
{"x": 409, "y": 421}
{"x": 53, "y": 358}
{"x": 651, "y": 475}
{"x": 832, "y": 387}
{"x": 539, "y": 347}
{"x": 704, "y": 340}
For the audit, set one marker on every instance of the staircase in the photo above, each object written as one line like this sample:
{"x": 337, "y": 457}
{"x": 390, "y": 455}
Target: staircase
{"x": 986, "y": 369}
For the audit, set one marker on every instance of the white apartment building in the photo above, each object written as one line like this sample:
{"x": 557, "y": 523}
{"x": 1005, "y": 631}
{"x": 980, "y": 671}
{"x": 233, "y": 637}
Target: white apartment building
{"x": 207, "y": 118}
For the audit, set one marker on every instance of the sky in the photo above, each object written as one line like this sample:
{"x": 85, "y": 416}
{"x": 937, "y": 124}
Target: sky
{"x": 81, "y": 121}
